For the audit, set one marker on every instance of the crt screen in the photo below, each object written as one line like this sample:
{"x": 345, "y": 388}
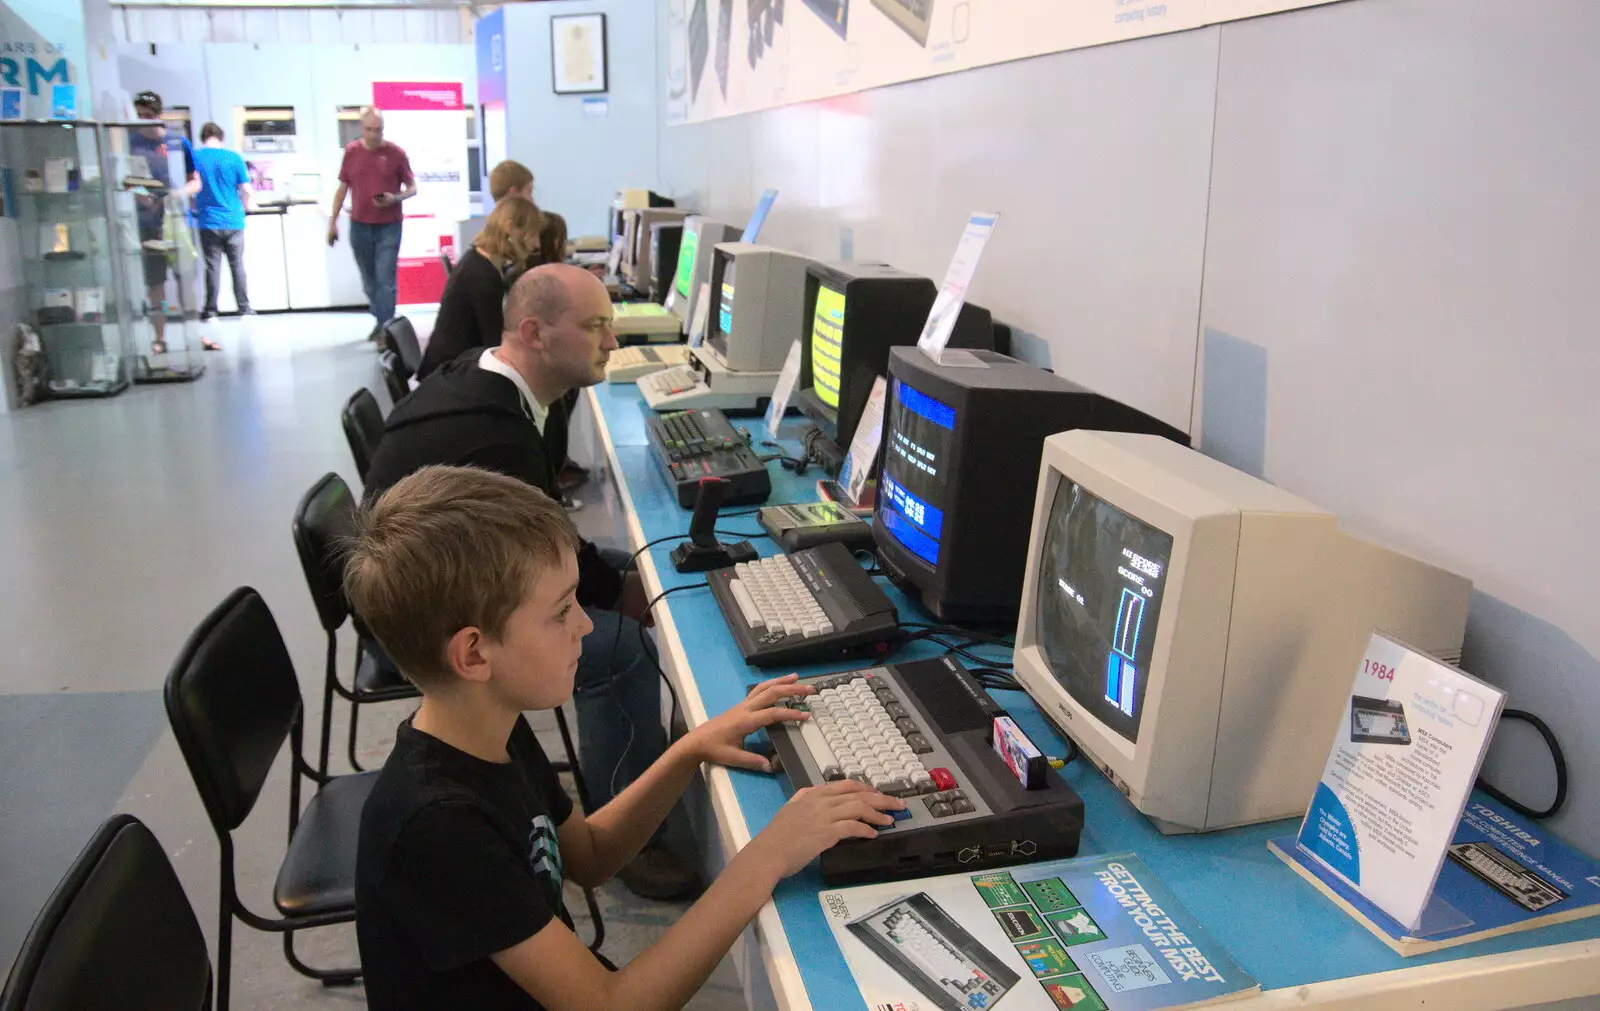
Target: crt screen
{"x": 827, "y": 333}
{"x": 1100, "y": 587}
{"x": 725, "y": 306}
{"x": 919, "y": 435}
{"x": 686, "y": 250}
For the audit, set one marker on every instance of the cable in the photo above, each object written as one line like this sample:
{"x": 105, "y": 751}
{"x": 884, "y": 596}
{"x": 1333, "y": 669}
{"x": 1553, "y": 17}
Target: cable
{"x": 1556, "y": 756}
{"x": 953, "y": 630}
{"x": 644, "y": 641}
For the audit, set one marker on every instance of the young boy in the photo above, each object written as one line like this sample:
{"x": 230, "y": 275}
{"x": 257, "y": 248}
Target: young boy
{"x": 469, "y": 580}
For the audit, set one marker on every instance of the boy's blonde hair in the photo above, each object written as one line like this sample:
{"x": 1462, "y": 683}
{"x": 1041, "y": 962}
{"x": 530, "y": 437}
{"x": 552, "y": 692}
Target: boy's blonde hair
{"x": 447, "y": 548}
{"x": 507, "y": 176}
{"x": 511, "y": 233}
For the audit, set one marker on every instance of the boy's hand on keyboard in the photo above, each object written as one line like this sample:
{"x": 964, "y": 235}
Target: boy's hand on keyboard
{"x": 817, "y": 817}
{"x": 721, "y": 739}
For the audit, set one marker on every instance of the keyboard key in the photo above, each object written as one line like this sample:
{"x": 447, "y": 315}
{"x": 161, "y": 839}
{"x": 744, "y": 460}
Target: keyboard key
{"x": 747, "y": 606}
{"x": 939, "y": 809}
{"x": 919, "y": 744}
{"x": 962, "y": 806}
{"x": 942, "y": 778}
{"x": 906, "y": 726}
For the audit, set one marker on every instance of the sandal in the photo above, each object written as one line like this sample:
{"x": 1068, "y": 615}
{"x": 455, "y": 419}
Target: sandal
{"x": 158, "y": 346}
{"x": 209, "y": 345}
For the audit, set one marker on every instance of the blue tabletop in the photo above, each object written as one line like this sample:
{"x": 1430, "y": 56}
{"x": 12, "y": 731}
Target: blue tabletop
{"x": 1274, "y": 924}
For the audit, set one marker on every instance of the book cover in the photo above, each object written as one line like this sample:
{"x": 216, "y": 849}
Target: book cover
{"x": 1502, "y": 873}
{"x": 1095, "y": 934}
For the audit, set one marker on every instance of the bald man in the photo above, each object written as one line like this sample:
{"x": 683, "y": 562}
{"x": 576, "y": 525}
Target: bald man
{"x": 377, "y": 176}
{"x": 502, "y": 408}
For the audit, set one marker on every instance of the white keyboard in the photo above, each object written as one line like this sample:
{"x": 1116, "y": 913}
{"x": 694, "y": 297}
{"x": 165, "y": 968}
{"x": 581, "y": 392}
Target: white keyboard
{"x": 627, "y": 365}
{"x": 852, "y": 735}
{"x": 771, "y": 595}
{"x": 671, "y": 381}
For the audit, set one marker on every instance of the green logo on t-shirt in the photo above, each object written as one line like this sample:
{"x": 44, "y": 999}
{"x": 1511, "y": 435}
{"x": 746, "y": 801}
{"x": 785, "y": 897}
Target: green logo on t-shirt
{"x": 544, "y": 854}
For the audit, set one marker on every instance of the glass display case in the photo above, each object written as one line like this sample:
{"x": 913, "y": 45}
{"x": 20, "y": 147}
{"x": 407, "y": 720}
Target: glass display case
{"x": 54, "y": 192}
{"x": 158, "y": 253}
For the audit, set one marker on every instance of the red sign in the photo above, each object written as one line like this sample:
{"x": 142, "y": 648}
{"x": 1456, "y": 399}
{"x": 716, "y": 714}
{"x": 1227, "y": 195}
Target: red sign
{"x": 417, "y": 96}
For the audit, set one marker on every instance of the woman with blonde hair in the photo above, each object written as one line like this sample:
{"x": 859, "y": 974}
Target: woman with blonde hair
{"x": 516, "y": 236}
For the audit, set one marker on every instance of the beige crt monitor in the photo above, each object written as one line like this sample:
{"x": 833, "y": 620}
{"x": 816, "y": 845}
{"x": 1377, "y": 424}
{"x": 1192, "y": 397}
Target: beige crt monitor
{"x": 1196, "y": 630}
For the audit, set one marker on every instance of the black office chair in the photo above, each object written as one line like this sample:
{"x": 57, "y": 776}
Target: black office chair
{"x": 445, "y": 261}
{"x": 400, "y": 337}
{"x": 363, "y": 428}
{"x": 325, "y": 517}
{"x": 232, "y": 699}
{"x": 323, "y": 521}
{"x": 394, "y": 378}
{"x": 118, "y": 933}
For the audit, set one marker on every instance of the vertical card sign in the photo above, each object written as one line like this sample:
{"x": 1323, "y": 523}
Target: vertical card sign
{"x": 864, "y": 447}
{"x": 783, "y": 390}
{"x": 702, "y": 315}
{"x": 1402, "y": 765}
{"x": 429, "y": 122}
{"x": 752, "y": 228}
{"x": 953, "y": 293}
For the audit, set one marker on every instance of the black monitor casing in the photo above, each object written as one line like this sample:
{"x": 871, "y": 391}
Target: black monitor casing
{"x": 665, "y": 239}
{"x": 1003, "y": 415}
{"x": 884, "y": 308}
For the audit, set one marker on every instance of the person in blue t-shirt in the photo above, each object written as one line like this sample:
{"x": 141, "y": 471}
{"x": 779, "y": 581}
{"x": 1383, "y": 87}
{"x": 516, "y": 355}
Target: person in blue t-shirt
{"x": 224, "y": 194}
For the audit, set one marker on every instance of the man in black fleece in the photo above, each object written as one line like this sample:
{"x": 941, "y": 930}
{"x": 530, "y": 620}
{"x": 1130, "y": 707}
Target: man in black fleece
{"x": 502, "y": 409}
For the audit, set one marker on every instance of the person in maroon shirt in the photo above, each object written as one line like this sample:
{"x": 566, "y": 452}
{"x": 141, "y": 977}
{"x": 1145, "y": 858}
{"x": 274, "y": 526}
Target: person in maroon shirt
{"x": 377, "y": 176}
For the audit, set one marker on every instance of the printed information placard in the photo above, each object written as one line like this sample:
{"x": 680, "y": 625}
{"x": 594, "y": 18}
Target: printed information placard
{"x": 953, "y": 293}
{"x": 1402, "y": 765}
{"x": 1096, "y": 934}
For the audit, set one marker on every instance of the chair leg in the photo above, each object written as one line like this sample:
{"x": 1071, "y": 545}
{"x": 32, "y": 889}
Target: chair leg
{"x": 572, "y": 760}
{"x": 594, "y": 915}
{"x": 329, "y": 977}
{"x": 355, "y": 711}
{"x": 327, "y": 706}
{"x": 224, "y": 950}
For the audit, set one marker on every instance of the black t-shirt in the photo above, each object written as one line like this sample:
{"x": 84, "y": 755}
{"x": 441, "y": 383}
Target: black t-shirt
{"x": 457, "y": 860}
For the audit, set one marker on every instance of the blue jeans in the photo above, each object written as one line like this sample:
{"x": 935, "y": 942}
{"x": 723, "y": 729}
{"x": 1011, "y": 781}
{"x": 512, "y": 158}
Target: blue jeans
{"x": 618, "y": 698}
{"x": 377, "y": 249}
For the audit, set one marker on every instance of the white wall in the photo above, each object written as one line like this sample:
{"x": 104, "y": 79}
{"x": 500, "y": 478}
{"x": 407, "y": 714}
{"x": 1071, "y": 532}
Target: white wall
{"x": 315, "y": 78}
{"x": 1392, "y": 234}
{"x": 579, "y": 162}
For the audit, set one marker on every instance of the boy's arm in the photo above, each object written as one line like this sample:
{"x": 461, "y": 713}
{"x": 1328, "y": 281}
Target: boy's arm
{"x": 668, "y": 973}
{"x": 596, "y": 847}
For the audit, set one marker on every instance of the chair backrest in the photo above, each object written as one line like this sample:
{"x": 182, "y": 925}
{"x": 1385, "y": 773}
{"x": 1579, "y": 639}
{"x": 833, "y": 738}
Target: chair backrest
{"x": 393, "y": 378}
{"x": 448, "y": 264}
{"x": 233, "y": 699}
{"x": 401, "y": 338}
{"x": 363, "y": 427}
{"x": 325, "y": 517}
{"x": 117, "y": 933}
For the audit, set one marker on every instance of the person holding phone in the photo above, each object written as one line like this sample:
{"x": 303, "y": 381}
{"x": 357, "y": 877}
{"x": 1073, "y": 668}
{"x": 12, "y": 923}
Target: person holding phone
{"x": 377, "y": 177}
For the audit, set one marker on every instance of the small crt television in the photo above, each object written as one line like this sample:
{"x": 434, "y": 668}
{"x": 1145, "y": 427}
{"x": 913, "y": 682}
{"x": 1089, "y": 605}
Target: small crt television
{"x": 666, "y": 238}
{"x": 961, "y": 447}
{"x": 1197, "y": 630}
{"x": 755, "y": 307}
{"x": 636, "y": 242}
{"x": 852, "y": 315}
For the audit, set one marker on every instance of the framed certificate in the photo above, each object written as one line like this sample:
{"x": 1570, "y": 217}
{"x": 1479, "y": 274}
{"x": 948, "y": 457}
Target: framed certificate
{"x": 578, "y": 53}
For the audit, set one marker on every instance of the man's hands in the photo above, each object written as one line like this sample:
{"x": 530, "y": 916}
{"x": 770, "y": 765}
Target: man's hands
{"x": 385, "y": 200}
{"x": 333, "y": 231}
{"x": 631, "y": 602}
{"x": 721, "y": 739}
{"x": 817, "y": 818}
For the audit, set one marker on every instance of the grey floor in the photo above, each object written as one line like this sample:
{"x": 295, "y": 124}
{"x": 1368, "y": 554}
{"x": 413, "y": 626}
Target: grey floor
{"x": 122, "y": 522}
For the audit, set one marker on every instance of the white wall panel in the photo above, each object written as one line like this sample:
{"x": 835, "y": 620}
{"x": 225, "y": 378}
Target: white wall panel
{"x": 1405, "y": 225}
{"x": 1098, "y": 161}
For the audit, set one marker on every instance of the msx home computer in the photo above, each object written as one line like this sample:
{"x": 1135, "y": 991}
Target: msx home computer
{"x": 852, "y": 314}
{"x": 961, "y": 450}
{"x": 753, "y": 321}
{"x": 1194, "y": 629}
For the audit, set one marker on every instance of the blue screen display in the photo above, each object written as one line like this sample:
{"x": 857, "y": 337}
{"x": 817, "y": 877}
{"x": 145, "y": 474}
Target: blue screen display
{"x": 918, "y": 438}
